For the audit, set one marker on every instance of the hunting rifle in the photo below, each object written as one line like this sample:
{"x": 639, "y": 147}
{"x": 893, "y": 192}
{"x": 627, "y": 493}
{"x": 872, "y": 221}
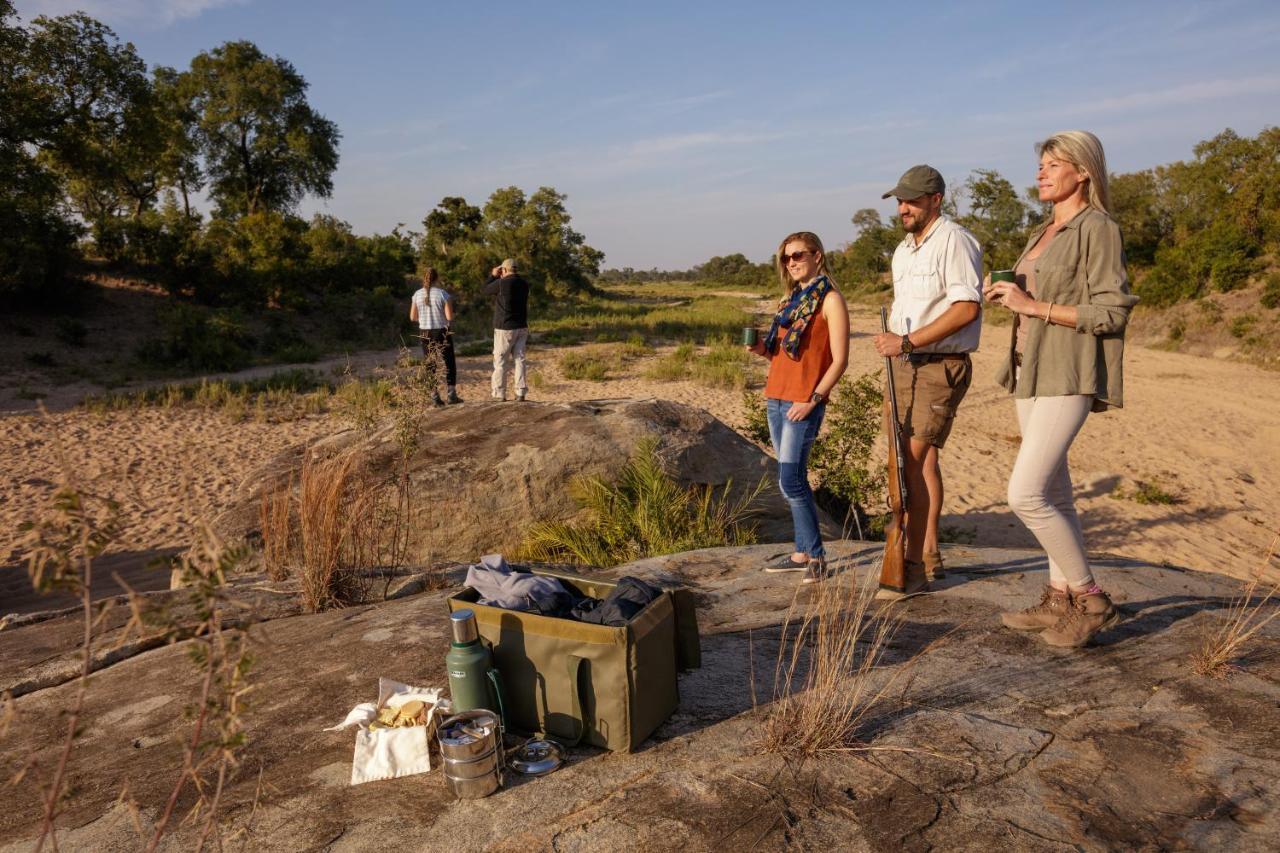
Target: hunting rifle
{"x": 893, "y": 566}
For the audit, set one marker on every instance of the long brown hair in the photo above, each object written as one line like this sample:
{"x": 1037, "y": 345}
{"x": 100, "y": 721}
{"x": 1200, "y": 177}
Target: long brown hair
{"x": 811, "y": 243}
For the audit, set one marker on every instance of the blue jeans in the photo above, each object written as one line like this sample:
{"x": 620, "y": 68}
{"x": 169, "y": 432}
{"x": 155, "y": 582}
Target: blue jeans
{"x": 792, "y": 441}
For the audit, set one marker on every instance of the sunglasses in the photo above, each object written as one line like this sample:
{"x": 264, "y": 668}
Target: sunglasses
{"x": 795, "y": 256}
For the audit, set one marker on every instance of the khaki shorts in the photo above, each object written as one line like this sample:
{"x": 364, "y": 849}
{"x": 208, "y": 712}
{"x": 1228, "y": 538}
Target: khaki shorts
{"x": 928, "y": 396}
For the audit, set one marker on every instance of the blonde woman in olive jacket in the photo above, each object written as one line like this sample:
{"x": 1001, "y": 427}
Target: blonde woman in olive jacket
{"x": 1071, "y": 302}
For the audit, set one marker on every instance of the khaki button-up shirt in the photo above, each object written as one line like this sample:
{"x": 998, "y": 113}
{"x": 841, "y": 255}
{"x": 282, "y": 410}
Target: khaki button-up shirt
{"x": 944, "y": 269}
{"x": 1082, "y": 266}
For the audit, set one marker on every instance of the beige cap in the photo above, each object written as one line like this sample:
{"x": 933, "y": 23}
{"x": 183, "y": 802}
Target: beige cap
{"x": 509, "y": 265}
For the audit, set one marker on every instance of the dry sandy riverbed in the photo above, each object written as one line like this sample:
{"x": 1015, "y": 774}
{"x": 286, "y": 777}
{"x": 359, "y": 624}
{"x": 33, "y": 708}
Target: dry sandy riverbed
{"x": 1207, "y": 431}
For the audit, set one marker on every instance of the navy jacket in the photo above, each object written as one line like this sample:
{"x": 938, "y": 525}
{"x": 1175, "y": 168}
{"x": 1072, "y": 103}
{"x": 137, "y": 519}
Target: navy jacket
{"x": 511, "y": 307}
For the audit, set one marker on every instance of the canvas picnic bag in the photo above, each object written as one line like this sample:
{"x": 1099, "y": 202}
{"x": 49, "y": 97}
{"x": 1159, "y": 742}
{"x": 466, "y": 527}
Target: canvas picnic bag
{"x": 579, "y": 682}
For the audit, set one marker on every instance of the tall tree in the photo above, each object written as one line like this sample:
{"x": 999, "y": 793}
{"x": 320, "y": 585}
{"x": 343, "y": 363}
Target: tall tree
{"x": 100, "y": 132}
{"x": 997, "y": 217}
{"x": 868, "y": 257}
{"x": 264, "y": 145}
{"x": 35, "y": 238}
{"x": 536, "y": 231}
{"x": 180, "y": 161}
{"x": 452, "y": 222}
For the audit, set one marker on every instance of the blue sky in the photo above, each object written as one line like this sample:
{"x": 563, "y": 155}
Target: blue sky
{"x": 685, "y": 130}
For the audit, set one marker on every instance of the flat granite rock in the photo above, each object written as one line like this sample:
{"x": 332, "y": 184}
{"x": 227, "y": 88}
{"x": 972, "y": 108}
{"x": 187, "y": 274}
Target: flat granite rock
{"x": 994, "y": 740}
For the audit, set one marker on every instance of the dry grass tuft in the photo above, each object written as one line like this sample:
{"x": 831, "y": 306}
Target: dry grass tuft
{"x": 332, "y": 501}
{"x": 277, "y": 532}
{"x": 1249, "y": 612}
{"x": 825, "y": 680}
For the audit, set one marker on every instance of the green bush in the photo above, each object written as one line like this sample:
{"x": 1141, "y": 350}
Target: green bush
{"x": 849, "y": 481}
{"x": 1271, "y": 291}
{"x": 1241, "y": 325}
{"x": 1171, "y": 280}
{"x": 199, "y": 339}
{"x": 583, "y": 365}
{"x": 71, "y": 331}
{"x": 37, "y": 244}
{"x": 1230, "y": 271}
{"x": 1151, "y": 494}
{"x": 756, "y": 426}
{"x": 725, "y": 365}
{"x": 643, "y": 513}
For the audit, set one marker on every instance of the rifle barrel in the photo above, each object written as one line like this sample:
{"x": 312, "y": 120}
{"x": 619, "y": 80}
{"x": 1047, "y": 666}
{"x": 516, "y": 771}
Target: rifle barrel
{"x": 895, "y": 433}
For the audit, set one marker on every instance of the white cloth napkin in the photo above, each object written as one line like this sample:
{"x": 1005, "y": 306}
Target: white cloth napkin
{"x": 391, "y": 753}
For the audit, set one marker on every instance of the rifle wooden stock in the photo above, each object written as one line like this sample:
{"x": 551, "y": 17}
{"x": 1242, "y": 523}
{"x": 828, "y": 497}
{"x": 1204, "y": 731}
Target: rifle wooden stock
{"x": 893, "y": 569}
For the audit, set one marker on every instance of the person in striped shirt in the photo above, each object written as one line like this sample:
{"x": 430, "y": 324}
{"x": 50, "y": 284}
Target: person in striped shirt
{"x": 432, "y": 309}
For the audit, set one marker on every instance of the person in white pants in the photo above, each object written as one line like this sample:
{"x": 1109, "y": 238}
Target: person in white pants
{"x": 1071, "y": 301}
{"x": 510, "y": 294}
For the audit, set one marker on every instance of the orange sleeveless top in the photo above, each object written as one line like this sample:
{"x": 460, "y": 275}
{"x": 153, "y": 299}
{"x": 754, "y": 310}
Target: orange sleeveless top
{"x": 795, "y": 380}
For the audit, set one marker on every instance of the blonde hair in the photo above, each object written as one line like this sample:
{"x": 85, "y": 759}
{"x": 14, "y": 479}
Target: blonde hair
{"x": 811, "y": 243}
{"x": 1083, "y": 150}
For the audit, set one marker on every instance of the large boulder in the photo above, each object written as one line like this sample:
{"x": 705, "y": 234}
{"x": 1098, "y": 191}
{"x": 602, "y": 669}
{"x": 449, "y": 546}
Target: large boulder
{"x": 481, "y": 474}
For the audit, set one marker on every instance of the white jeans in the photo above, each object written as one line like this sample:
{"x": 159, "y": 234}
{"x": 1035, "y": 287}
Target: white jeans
{"x": 1040, "y": 485}
{"x": 508, "y": 345}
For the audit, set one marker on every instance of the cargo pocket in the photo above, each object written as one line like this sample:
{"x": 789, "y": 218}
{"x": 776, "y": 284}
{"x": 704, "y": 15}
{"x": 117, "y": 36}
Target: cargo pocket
{"x": 939, "y": 416}
{"x": 959, "y": 374}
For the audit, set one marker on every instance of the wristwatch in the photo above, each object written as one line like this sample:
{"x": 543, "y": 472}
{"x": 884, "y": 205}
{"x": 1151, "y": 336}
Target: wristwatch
{"x": 818, "y": 397}
{"x": 907, "y": 346}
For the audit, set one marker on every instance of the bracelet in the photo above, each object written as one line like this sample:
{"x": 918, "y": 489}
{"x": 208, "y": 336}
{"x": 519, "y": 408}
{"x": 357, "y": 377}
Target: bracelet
{"x": 1048, "y": 314}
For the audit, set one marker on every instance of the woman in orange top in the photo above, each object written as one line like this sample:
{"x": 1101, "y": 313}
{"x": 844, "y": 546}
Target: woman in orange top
{"x": 808, "y": 349}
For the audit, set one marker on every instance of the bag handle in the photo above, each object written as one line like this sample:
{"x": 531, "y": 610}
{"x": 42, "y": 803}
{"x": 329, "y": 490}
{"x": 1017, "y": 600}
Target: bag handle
{"x": 575, "y": 698}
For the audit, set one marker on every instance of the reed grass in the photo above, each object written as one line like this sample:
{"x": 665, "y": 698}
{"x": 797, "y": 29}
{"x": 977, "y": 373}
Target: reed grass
{"x": 283, "y": 390}
{"x": 1249, "y": 612}
{"x": 278, "y": 539}
{"x": 724, "y": 364}
{"x": 583, "y": 366}
{"x": 332, "y": 497}
{"x": 619, "y": 313}
{"x": 826, "y": 684}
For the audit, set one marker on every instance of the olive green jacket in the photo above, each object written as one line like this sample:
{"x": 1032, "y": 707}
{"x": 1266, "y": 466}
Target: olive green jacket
{"x": 1083, "y": 266}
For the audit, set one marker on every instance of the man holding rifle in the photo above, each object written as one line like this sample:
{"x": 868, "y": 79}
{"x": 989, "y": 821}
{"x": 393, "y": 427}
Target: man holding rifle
{"x": 934, "y": 325}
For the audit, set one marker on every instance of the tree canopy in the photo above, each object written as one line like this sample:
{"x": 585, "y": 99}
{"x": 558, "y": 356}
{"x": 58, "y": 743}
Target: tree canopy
{"x": 464, "y": 242}
{"x": 263, "y": 144}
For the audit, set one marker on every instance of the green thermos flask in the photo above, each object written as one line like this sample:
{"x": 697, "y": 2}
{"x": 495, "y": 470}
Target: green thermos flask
{"x": 474, "y": 682}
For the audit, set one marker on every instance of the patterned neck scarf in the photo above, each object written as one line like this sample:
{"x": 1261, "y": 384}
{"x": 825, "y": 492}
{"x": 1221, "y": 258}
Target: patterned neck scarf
{"x": 795, "y": 316}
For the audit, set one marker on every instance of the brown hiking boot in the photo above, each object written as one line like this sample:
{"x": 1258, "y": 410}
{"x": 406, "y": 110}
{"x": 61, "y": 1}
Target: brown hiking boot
{"x": 1088, "y": 615}
{"x": 1053, "y": 605}
{"x": 933, "y": 569}
{"x": 915, "y": 579}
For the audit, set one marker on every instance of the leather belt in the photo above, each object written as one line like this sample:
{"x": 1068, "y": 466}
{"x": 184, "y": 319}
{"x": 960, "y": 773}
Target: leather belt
{"x": 933, "y": 357}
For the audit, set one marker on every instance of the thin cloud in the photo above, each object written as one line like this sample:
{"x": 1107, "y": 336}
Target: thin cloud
{"x": 159, "y": 13}
{"x": 688, "y": 102}
{"x": 676, "y": 143}
{"x": 1176, "y": 96}
{"x": 1209, "y": 90}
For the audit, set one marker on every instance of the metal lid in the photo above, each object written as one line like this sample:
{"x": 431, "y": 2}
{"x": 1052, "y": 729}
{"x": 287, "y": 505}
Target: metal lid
{"x": 464, "y": 625}
{"x": 537, "y": 757}
{"x": 469, "y": 727}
